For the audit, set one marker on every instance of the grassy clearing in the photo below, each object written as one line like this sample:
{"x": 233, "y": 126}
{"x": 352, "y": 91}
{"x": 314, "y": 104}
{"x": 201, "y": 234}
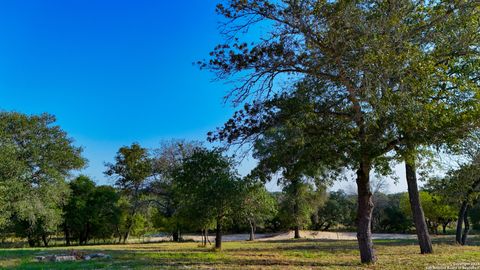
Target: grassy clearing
{"x": 288, "y": 254}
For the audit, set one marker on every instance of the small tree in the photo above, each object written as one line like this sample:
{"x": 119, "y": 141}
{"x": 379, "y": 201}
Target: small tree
{"x": 166, "y": 159}
{"x": 256, "y": 206}
{"x": 436, "y": 210}
{"x": 207, "y": 187}
{"x": 299, "y": 202}
{"x": 131, "y": 169}
{"x": 461, "y": 189}
{"x": 77, "y": 210}
{"x": 90, "y": 212}
{"x": 105, "y": 212}
{"x": 338, "y": 209}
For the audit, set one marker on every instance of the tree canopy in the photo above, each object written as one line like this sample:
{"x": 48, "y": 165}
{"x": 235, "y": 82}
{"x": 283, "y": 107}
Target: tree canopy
{"x": 364, "y": 63}
{"x": 208, "y": 185}
{"x": 38, "y": 156}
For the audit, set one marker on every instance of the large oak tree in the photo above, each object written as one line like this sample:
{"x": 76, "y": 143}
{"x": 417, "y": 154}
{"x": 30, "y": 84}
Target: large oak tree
{"x": 36, "y": 157}
{"x": 356, "y": 56}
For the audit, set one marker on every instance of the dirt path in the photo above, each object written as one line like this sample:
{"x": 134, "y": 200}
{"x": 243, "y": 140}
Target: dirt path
{"x": 289, "y": 235}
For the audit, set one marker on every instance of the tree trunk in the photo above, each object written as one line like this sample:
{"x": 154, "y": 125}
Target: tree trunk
{"x": 67, "y": 236}
{"x": 444, "y": 228}
{"x": 45, "y": 240}
{"x": 218, "y": 238}
{"x": 417, "y": 210}
{"x": 130, "y": 219}
{"x": 31, "y": 242}
{"x": 295, "y": 212}
{"x": 466, "y": 230}
{"x": 461, "y": 215}
{"x": 297, "y": 232}
{"x": 87, "y": 233}
{"x": 364, "y": 214}
{"x": 206, "y": 237}
{"x": 125, "y": 236}
{"x": 175, "y": 237}
{"x": 252, "y": 231}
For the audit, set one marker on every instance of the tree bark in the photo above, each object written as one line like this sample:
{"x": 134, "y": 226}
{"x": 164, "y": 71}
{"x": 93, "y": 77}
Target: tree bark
{"x": 252, "y": 231}
{"x": 466, "y": 230}
{"x": 417, "y": 210}
{"x": 175, "y": 237}
{"x": 364, "y": 214}
{"x": 461, "y": 215}
{"x": 125, "y": 236}
{"x": 444, "y": 228}
{"x": 218, "y": 238}
{"x": 67, "y": 236}
{"x": 206, "y": 237}
{"x": 297, "y": 232}
{"x": 31, "y": 242}
{"x": 45, "y": 240}
{"x": 295, "y": 212}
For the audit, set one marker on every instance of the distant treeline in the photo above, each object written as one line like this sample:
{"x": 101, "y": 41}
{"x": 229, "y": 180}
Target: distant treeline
{"x": 180, "y": 187}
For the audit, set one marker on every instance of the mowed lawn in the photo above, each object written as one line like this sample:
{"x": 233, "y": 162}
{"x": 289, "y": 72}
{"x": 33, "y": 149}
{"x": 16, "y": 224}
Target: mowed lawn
{"x": 288, "y": 254}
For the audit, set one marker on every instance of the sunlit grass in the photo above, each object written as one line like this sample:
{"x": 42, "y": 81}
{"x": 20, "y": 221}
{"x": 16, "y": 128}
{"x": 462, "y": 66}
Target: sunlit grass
{"x": 288, "y": 254}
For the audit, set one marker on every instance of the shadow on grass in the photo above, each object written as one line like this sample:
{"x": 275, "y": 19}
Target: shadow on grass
{"x": 261, "y": 254}
{"x": 193, "y": 263}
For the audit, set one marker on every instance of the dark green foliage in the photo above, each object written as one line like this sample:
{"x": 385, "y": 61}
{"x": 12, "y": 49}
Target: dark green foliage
{"x": 339, "y": 209}
{"x": 475, "y": 216}
{"x": 300, "y": 200}
{"x": 91, "y": 211}
{"x": 208, "y": 189}
{"x": 394, "y": 220}
{"x": 131, "y": 170}
{"x": 388, "y": 216}
{"x": 166, "y": 159}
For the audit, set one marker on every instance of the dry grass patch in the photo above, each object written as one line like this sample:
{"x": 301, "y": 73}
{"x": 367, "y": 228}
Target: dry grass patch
{"x": 285, "y": 254}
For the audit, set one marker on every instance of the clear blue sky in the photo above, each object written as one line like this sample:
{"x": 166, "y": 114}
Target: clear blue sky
{"x": 113, "y": 72}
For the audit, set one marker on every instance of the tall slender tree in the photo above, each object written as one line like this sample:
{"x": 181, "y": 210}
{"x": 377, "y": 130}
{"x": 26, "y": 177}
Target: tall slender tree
{"x": 300, "y": 201}
{"x": 256, "y": 205}
{"x": 460, "y": 187}
{"x": 131, "y": 170}
{"x": 166, "y": 159}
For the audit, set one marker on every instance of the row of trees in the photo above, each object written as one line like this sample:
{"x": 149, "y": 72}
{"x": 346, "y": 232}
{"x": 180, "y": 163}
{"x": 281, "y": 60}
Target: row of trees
{"x": 460, "y": 187}
{"x": 362, "y": 85}
{"x": 181, "y": 186}
{"x": 184, "y": 187}
{"x": 192, "y": 188}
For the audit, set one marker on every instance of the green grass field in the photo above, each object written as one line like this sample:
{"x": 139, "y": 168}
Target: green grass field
{"x": 289, "y": 254}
